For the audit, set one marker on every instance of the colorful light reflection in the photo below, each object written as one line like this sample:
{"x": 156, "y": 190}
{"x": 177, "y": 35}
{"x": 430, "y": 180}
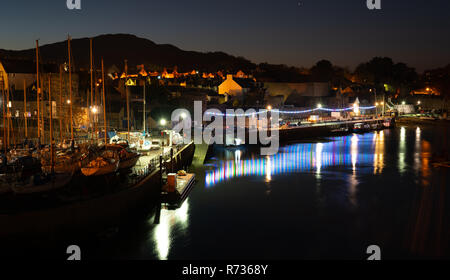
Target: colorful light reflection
{"x": 343, "y": 151}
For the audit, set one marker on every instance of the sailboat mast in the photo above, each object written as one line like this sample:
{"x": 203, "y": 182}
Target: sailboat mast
{"x": 143, "y": 114}
{"x": 96, "y": 110}
{"x": 70, "y": 89}
{"x": 60, "y": 103}
{"x": 92, "y": 86}
{"x": 42, "y": 109}
{"x": 38, "y": 90}
{"x": 128, "y": 103}
{"x": 8, "y": 115}
{"x": 4, "y": 120}
{"x": 104, "y": 102}
{"x": 25, "y": 107}
{"x": 51, "y": 123}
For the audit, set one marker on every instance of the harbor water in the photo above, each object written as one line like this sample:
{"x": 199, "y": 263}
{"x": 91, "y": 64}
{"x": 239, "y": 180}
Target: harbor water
{"x": 327, "y": 198}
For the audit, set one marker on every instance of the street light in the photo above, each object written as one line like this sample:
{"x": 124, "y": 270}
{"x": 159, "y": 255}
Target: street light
{"x": 403, "y": 102}
{"x": 356, "y": 108}
{"x": 418, "y": 102}
{"x": 319, "y": 105}
{"x": 269, "y": 108}
{"x": 162, "y": 122}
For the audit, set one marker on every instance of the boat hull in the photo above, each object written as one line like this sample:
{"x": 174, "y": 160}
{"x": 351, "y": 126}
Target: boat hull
{"x": 129, "y": 162}
{"x": 56, "y": 181}
{"x": 98, "y": 171}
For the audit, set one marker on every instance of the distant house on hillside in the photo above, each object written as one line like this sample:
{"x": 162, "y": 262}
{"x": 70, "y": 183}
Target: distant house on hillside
{"x": 241, "y": 74}
{"x": 235, "y": 86}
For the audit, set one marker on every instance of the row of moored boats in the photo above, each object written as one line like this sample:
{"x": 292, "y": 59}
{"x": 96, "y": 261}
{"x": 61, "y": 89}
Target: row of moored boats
{"x": 35, "y": 171}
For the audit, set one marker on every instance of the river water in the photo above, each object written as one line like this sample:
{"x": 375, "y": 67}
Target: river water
{"x": 325, "y": 198}
{"x": 321, "y": 199}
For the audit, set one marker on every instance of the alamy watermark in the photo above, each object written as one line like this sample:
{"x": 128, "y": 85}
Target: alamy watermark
{"x": 374, "y": 4}
{"x": 74, "y": 253}
{"x": 73, "y": 4}
{"x": 261, "y": 127}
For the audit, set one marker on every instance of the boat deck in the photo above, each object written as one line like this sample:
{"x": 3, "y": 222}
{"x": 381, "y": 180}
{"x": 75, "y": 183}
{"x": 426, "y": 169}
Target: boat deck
{"x": 182, "y": 190}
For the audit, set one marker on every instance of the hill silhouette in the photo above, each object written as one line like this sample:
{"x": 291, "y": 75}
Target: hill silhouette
{"x": 115, "y": 48}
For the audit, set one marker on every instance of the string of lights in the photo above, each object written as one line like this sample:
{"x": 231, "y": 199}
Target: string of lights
{"x": 297, "y": 112}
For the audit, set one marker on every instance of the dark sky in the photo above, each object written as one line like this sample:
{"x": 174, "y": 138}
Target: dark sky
{"x": 293, "y": 32}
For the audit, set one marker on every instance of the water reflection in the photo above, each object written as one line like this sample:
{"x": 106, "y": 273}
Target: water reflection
{"x": 342, "y": 151}
{"x": 171, "y": 222}
{"x": 354, "y": 151}
{"x": 268, "y": 170}
{"x": 318, "y": 158}
{"x": 402, "y": 150}
{"x": 353, "y": 181}
{"x": 417, "y": 150}
{"x": 378, "y": 161}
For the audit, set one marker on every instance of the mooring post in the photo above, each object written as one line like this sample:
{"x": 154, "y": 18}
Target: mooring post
{"x": 160, "y": 171}
{"x": 171, "y": 160}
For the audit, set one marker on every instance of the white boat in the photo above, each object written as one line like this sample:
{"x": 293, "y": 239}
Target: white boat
{"x": 42, "y": 183}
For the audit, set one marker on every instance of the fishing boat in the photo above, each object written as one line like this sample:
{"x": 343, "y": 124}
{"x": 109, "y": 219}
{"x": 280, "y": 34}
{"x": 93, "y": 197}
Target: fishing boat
{"x": 23, "y": 162}
{"x": 388, "y": 123}
{"x": 42, "y": 182}
{"x": 376, "y": 126}
{"x": 127, "y": 158}
{"x": 361, "y": 128}
{"x": 106, "y": 163}
{"x": 10, "y": 173}
{"x": 342, "y": 130}
{"x": 67, "y": 161}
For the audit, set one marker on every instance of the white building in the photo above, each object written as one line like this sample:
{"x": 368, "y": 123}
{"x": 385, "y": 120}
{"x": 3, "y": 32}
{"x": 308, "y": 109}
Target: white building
{"x": 235, "y": 87}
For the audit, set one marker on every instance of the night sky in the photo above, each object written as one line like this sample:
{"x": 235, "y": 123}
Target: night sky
{"x": 292, "y": 32}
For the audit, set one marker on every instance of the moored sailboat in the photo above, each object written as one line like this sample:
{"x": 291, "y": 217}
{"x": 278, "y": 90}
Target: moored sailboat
{"x": 42, "y": 182}
{"x": 106, "y": 163}
{"x": 127, "y": 158}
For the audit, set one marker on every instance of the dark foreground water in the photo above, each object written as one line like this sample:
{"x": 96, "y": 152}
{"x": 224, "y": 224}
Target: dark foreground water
{"x": 327, "y": 198}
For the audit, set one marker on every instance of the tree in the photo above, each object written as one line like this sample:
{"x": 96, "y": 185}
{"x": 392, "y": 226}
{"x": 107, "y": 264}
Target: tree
{"x": 383, "y": 74}
{"x": 323, "y": 71}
